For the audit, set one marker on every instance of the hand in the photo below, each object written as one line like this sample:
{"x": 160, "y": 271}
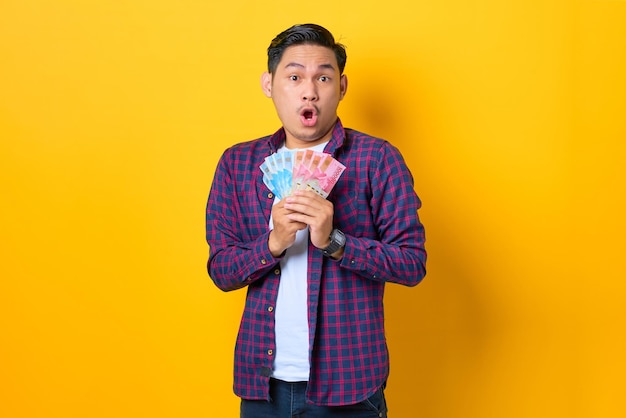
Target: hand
{"x": 284, "y": 233}
{"x": 308, "y": 207}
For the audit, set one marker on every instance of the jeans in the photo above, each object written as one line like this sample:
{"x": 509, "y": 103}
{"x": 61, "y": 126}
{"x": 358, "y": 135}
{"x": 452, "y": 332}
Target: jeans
{"x": 288, "y": 401}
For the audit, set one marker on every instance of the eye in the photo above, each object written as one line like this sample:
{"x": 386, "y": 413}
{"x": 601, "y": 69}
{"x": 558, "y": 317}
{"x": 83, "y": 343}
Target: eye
{"x": 324, "y": 78}
{"x": 293, "y": 77}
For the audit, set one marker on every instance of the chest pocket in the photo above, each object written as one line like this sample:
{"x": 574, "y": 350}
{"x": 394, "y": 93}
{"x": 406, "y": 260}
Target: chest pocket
{"x": 352, "y": 208}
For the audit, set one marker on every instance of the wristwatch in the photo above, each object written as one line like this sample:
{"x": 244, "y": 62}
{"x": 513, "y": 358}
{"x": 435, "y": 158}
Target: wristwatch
{"x": 337, "y": 242}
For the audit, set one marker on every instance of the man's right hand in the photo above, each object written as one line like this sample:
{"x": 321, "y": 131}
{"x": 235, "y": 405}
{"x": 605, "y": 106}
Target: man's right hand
{"x": 284, "y": 233}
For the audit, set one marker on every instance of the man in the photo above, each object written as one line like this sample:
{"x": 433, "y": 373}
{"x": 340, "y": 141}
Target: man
{"x": 312, "y": 341}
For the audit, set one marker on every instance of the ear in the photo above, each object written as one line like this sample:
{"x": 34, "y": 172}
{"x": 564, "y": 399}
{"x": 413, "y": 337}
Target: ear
{"x": 343, "y": 86}
{"x": 266, "y": 84}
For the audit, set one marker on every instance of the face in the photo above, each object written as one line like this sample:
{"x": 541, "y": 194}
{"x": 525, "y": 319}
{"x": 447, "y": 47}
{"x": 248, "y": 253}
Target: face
{"x": 306, "y": 89}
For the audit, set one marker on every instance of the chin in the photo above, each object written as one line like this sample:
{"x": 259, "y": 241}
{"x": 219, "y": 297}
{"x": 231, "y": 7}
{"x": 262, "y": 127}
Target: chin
{"x": 311, "y": 138}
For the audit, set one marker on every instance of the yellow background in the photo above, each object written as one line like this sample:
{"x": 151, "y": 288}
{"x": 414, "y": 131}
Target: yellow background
{"x": 511, "y": 115}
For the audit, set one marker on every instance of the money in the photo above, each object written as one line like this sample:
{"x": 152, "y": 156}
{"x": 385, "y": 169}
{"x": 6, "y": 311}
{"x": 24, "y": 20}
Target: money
{"x": 287, "y": 171}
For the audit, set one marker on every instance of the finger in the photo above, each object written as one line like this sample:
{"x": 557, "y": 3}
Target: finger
{"x": 306, "y": 197}
{"x": 299, "y": 203}
{"x": 314, "y": 212}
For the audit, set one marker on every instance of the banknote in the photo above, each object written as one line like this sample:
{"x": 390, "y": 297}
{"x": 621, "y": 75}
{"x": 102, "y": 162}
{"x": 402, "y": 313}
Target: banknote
{"x": 287, "y": 171}
{"x": 277, "y": 173}
{"x": 316, "y": 171}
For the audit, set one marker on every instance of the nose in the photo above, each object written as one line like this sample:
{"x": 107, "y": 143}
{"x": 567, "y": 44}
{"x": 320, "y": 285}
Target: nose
{"x": 309, "y": 92}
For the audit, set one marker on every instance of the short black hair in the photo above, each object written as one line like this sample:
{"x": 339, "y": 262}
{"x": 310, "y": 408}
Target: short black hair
{"x": 308, "y": 33}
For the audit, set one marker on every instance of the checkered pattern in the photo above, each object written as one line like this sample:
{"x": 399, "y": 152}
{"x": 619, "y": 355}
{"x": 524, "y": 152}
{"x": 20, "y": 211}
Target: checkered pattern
{"x": 376, "y": 207}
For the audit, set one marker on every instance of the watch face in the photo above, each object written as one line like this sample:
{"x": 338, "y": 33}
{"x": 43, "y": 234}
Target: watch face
{"x": 337, "y": 241}
{"x": 338, "y": 237}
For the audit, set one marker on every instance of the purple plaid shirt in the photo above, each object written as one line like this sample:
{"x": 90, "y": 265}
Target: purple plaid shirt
{"x": 376, "y": 207}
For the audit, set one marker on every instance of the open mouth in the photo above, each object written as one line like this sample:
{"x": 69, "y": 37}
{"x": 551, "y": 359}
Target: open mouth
{"x": 308, "y": 117}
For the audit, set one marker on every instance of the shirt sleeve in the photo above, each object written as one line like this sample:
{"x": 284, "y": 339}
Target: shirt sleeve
{"x": 398, "y": 254}
{"x": 235, "y": 259}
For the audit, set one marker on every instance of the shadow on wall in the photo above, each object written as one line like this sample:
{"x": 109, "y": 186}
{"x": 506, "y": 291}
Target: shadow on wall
{"x": 436, "y": 331}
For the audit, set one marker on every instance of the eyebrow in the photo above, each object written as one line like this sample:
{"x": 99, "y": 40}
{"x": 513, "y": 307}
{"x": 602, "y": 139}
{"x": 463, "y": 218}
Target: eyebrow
{"x": 321, "y": 66}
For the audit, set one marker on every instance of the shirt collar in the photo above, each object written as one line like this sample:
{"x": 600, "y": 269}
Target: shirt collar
{"x": 336, "y": 141}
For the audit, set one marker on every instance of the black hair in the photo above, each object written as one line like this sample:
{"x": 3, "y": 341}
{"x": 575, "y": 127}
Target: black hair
{"x": 304, "y": 34}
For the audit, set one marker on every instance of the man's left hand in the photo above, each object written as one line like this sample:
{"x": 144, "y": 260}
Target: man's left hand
{"x": 312, "y": 209}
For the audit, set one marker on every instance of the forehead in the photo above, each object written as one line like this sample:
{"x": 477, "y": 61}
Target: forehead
{"x": 308, "y": 56}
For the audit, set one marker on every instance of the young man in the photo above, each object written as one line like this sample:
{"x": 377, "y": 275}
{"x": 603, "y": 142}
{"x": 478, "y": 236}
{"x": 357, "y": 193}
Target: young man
{"x": 312, "y": 340}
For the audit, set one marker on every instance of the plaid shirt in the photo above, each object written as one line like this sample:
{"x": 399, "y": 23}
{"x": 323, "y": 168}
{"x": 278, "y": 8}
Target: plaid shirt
{"x": 376, "y": 207}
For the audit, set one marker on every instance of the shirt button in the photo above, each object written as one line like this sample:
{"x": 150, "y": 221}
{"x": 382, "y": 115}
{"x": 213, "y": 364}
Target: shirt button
{"x": 270, "y": 352}
{"x": 270, "y": 195}
{"x": 263, "y": 261}
{"x": 277, "y": 271}
{"x": 270, "y": 308}
{"x": 352, "y": 262}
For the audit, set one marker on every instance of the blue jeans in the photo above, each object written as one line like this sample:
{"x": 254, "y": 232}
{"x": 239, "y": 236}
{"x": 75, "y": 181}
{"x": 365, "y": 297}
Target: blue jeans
{"x": 288, "y": 401}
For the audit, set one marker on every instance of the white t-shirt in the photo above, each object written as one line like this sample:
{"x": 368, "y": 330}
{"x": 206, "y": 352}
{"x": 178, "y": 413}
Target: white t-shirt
{"x": 291, "y": 362}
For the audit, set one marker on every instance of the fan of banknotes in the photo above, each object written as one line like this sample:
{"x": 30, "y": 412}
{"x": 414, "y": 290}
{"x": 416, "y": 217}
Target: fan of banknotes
{"x": 287, "y": 171}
